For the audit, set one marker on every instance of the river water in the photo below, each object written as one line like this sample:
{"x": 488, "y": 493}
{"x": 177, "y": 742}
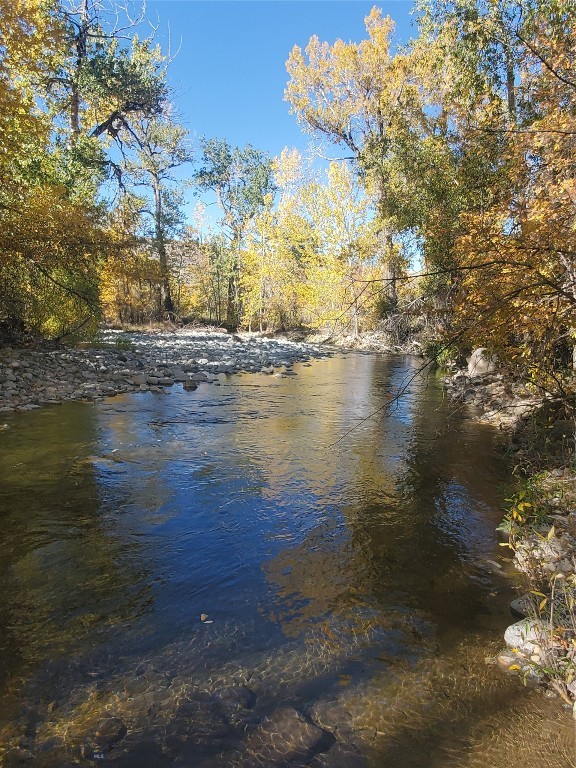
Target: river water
{"x": 232, "y": 577}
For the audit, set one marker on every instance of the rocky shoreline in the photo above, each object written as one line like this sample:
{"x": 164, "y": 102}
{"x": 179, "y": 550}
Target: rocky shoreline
{"x": 38, "y": 375}
{"x": 501, "y": 402}
{"x": 540, "y": 530}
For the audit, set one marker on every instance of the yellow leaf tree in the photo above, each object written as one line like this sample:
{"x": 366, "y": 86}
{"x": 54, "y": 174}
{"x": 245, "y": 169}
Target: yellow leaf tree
{"x": 354, "y": 94}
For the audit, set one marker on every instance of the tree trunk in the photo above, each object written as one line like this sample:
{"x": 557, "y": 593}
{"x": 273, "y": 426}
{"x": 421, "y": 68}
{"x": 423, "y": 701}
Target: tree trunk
{"x": 355, "y": 332}
{"x": 165, "y": 298}
{"x": 231, "y": 304}
{"x": 390, "y": 279}
{"x": 233, "y": 307}
{"x": 81, "y": 52}
{"x": 385, "y": 246}
{"x": 510, "y": 87}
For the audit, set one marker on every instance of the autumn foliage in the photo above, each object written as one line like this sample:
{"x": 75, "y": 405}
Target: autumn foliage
{"x": 452, "y": 194}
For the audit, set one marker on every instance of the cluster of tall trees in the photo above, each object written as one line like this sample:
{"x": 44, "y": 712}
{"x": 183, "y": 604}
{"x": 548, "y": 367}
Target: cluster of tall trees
{"x": 456, "y": 151}
{"x": 465, "y": 140}
{"x": 85, "y": 126}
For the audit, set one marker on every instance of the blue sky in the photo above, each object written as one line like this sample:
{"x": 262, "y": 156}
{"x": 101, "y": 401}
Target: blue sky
{"x": 228, "y": 72}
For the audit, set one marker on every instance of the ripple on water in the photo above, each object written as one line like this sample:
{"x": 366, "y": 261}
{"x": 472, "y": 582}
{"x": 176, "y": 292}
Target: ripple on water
{"x": 350, "y": 612}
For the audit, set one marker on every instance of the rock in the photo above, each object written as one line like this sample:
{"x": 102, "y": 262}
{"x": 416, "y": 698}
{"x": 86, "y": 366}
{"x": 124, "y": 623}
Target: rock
{"x": 528, "y": 636}
{"x": 238, "y": 697}
{"x": 200, "y": 376}
{"x": 522, "y": 606}
{"x": 480, "y": 363}
{"x": 141, "y": 751}
{"x": 196, "y": 722}
{"x": 178, "y": 374}
{"x": 110, "y": 732}
{"x": 157, "y": 360}
{"x": 506, "y": 659}
{"x": 283, "y": 738}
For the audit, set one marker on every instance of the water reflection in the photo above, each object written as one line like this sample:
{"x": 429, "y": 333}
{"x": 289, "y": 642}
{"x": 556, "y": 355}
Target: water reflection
{"x": 64, "y": 575}
{"x": 327, "y": 567}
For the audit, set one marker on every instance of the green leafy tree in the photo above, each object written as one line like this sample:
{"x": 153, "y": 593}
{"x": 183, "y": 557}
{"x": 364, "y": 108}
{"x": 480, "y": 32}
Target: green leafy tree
{"x": 108, "y": 79}
{"x": 242, "y": 180}
{"x": 160, "y": 146}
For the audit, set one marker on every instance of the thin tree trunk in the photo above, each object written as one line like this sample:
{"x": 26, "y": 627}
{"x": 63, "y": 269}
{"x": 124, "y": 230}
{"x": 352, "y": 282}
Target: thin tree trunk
{"x": 81, "y": 52}
{"x": 510, "y": 86}
{"x": 233, "y": 309}
{"x": 385, "y": 246}
{"x": 166, "y": 303}
{"x": 390, "y": 279}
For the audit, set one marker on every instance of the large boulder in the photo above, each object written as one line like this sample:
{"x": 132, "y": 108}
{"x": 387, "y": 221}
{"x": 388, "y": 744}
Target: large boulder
{"x": 480, "y": 362}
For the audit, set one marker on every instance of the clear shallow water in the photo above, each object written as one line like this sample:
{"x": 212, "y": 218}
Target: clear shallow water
{"x": 344, "y": 583}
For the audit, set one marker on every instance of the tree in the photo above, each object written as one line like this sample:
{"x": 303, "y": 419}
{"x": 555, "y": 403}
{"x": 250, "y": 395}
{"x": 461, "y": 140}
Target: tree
{"x": 519, "y": 256}
{"x": 305, "y": 260}
{"x": 107, "y": 79}
{"x": 49, "y": 243}
{"x": 242, "y": 181}
{"x": 31, "y": 36}
{"x": 502, "y": 150}
{"x": 160, "y": 146}
{"x": 480, "y": 36}
{"x": 71, "y": 82}
{"x": 340, "y": 216}
{"x": 354, "y": 94}
{"x": 273, "y": 274}
{"x": 129, "y": 277}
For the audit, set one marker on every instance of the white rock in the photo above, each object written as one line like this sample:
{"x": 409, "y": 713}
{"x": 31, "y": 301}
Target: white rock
{"x": 480, "y": 363}
{"x": 528, "y": 635}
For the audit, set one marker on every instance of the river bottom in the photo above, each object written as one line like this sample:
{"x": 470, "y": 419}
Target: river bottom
{"x": 261, "y": 574}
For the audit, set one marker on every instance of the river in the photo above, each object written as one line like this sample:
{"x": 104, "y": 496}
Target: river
{"x": 258, "y": 574}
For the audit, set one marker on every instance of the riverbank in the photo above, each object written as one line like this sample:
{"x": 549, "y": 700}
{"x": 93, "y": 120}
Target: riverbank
{"x": 539, "y": 527}
{"x": 43, "y": 373}
{"x": 368, "y": 341}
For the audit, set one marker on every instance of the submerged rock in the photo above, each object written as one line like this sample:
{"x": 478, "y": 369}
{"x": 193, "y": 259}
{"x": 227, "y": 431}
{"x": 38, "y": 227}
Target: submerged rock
{"x": 283, "y": 738}
{"x": 237, "y": 697}
{"x": 109, "y": 733}
{"x": 198, "y": 722}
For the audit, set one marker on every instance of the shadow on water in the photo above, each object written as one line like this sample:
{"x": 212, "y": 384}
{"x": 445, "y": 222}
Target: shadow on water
{"x": 213, "y": 578}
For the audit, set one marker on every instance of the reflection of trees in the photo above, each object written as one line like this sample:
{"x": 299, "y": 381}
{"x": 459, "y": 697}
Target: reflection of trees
{"x": 417, "y": 491}
{"x": 189, "y": 495}
{"x": 67, "y": 577}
